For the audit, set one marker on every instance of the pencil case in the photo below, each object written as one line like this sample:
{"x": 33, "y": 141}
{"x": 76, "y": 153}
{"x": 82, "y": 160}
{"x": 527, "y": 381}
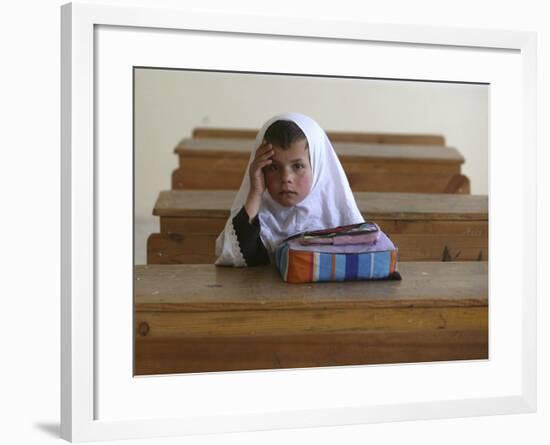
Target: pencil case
{"x": 307, "y": 263}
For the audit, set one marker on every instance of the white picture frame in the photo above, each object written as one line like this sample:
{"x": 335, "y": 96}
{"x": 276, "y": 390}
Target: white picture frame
{"x": 85, "y": 371}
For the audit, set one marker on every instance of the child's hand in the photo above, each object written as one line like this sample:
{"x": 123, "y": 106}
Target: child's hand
{"x": 262, "y": 158}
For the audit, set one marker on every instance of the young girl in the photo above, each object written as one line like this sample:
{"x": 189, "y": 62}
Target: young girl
{"x": 294, "y": 182}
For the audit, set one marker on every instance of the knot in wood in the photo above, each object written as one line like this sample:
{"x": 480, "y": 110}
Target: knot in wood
{"x": 143, "y": 328}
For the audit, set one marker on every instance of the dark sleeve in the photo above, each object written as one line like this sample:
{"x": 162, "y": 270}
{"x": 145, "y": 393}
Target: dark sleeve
{"x": 248, "y": 235}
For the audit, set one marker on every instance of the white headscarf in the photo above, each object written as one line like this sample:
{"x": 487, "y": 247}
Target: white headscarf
{"x": 330, "y": 202}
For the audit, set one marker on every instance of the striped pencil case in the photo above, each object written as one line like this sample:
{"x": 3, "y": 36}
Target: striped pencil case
{"x": 305, "y": 263}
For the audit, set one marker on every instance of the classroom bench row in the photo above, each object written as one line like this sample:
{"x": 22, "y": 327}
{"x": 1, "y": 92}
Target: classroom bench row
{"x": 425, "y": 227}
{"x": 334, "y": 136}
{"x": 199, "y": 318}
{"x": 220, "y": 163}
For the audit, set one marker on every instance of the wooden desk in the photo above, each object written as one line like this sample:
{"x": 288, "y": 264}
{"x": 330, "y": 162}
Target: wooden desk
{"x": 197, "y": 318}
{"x": 221, "y": 163}
{"x": 334, "y": 136}
{"x": 425, "y": 227}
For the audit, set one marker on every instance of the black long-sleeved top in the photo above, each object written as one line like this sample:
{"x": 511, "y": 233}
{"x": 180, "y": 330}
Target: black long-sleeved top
{"x": 248, "y": 235}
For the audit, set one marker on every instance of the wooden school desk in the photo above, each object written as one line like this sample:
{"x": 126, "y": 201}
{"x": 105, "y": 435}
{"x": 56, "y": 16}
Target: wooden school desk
{"x": 198, "y": 318}
{"x": 218, "y": 163}
{"x": 425, "y": 227}
{"x": 334, "y": 136}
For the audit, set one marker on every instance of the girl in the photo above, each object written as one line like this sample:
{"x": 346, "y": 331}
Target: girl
{"x": 294, "y": 182}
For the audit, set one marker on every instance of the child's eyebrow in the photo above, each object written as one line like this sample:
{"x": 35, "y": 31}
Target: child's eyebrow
{"x": 290, "y": 162}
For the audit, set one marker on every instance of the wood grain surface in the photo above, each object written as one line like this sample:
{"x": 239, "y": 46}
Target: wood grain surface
{"x": 380, "y": 205}
{"x": 340, "y": 136}
{"x": 425, "y": 227}
{"x": 362, "y": 150}
{"x": 221, "y": 163}
{"x": 204, "y": 286}
{"x": 202, "y": 318}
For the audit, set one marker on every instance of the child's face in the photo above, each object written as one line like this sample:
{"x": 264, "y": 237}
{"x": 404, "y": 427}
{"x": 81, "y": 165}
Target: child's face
{"x": 289, "y": 177}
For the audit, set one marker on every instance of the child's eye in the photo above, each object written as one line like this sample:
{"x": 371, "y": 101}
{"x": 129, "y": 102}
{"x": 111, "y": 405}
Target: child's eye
{"x": 298, "y": 166}
{"x": 271, "y": 167}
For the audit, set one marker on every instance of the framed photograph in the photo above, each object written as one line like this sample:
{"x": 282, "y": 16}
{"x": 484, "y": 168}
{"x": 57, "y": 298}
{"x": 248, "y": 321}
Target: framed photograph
{"x": 425, "y": 193}
{"x": 107, "y": 53}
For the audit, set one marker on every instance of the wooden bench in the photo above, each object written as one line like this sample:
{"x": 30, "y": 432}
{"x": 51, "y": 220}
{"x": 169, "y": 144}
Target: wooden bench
{"x": 425, "y": 227}
{"x": 217, "y": 163}
{"x": 199, "y": 318}
{"x": 334, "y": 136}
